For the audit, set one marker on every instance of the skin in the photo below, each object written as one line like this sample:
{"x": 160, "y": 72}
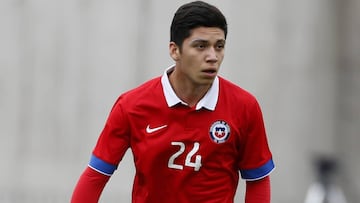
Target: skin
{"x": 197, "y": 63}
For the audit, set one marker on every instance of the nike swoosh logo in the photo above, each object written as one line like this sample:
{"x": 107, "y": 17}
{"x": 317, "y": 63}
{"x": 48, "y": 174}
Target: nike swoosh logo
{"x": 151, "y": 130}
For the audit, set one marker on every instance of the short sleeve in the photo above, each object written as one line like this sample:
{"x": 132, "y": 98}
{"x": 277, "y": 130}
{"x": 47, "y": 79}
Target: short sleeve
{"x": 256, "y": 159}
{"x": 113, "y": 141}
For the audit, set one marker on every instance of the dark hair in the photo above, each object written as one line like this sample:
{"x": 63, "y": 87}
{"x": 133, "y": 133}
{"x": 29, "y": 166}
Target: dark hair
{"x": 192, "y": 15}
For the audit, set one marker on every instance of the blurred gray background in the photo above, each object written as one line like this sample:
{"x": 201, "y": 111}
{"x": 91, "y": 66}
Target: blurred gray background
{"x": 63, "y": 64}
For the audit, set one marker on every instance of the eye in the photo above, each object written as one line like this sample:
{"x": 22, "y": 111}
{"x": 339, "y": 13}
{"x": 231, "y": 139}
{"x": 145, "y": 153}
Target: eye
{"x": 201, "y": 46}
{"x": 220, "y": 46}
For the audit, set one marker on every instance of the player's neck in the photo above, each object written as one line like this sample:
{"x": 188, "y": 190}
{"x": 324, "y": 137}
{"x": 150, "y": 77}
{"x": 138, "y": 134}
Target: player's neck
{"x": 186, "y": 90}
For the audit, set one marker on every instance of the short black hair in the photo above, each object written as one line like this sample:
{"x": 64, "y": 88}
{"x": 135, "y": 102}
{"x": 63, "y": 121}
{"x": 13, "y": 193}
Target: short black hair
{"x": 192, "y": 15}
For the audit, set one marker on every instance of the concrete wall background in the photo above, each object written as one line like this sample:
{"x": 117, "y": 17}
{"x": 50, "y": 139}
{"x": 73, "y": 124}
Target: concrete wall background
{"x": 63, "y": 64}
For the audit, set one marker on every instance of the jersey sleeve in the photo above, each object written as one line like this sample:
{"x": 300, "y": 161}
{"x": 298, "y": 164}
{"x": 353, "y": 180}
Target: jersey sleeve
{"x": 112, "y": 142}
{"x": 256, "y": 159}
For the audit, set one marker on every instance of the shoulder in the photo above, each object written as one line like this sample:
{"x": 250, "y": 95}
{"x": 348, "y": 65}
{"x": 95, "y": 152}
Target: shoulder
{"x": 151, "y": 84}
{"x": 146, "y": 90}
{"x": 235, "y": 92}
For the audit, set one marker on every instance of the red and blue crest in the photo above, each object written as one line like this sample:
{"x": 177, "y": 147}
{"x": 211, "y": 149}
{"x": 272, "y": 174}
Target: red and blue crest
{"x": 219, "y": 132}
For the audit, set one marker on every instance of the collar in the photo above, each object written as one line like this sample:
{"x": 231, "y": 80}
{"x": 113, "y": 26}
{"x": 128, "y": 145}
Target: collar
{"x": 208, "y": 101}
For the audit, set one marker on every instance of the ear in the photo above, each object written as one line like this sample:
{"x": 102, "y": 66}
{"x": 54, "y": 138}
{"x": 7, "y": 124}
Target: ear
{"x": 174, "y": 51}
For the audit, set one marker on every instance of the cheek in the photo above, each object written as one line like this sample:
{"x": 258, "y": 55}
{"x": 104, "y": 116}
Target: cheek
{"x": 191, "y": 58}
{"x": 220, "y": 58}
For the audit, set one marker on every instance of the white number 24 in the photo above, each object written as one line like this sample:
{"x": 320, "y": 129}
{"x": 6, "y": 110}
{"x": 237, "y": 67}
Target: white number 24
{"x": 196, "y": 164}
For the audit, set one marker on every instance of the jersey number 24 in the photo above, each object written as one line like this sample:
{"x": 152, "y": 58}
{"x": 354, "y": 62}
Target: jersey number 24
{"x": 196, "y": 164}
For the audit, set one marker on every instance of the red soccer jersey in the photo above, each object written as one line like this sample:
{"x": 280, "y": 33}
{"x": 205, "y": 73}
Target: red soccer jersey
{"x": 185, "y": 154}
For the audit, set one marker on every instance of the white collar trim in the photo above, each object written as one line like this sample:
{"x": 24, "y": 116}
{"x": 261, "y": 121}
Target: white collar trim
{"x": 208, "y": 101}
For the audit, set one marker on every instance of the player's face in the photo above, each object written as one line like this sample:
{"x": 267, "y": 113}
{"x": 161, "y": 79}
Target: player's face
{"x": 199, "y": 60}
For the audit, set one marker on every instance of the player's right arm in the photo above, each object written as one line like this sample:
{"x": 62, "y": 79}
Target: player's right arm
{"x": 258, "y": 191}
{"x": 89, "y": 187}
{"x": 109, "y": 150}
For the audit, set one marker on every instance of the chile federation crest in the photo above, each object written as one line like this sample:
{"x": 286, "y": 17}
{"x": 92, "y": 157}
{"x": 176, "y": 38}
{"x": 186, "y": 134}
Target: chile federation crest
{"x": 219, "y": 132}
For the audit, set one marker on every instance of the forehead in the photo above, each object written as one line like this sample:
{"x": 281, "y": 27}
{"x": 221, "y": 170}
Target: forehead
{"x": 207, "y": 33}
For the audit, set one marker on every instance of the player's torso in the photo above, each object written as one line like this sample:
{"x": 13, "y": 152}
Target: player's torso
{"x": 182, "y": 153}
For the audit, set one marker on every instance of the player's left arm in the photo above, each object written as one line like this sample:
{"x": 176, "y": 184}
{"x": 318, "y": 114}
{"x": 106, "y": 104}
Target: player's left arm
{"x": 258, "y": 191}
{"x": 256, "y": 162}
{"x": 89, "y": 187}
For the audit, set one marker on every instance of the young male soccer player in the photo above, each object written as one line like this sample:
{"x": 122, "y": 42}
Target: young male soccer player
{"x": 190, "y": 130}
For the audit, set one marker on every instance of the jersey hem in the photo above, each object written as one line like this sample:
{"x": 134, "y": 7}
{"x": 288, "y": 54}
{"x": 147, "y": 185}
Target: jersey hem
{"x": 261, "y": 177}
{"x": 99, "y": 171}
{"x": 101, "y": 166}
{"x": 258, "y": 173}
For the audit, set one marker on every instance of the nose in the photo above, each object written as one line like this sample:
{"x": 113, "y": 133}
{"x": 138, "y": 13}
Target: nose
{"x": 211, "y": 55}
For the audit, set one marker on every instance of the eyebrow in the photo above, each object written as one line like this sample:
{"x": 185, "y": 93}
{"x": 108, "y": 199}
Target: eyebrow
{"x": 206, "y": 41}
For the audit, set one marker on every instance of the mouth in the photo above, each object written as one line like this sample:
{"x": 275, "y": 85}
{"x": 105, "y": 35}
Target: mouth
{"x": 210, "y": 72}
